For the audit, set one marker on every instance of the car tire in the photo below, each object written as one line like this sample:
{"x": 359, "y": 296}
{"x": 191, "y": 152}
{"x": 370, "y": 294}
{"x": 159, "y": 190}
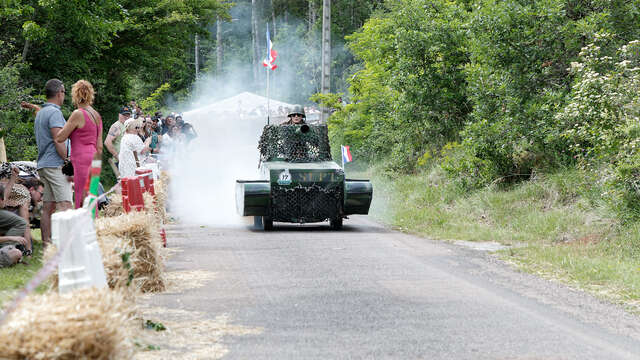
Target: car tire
{"x": 267, "y": 223}
{"x": 336, "y": 223}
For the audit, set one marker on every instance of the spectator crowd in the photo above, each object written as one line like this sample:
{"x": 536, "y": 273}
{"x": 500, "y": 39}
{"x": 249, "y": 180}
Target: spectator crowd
{"x": 31, "y": 192}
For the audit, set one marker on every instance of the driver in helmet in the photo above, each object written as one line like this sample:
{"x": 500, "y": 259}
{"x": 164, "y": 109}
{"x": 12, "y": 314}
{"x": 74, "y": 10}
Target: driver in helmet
{"x": 296, "y": 116}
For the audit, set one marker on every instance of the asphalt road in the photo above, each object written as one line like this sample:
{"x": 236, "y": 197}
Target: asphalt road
{"x": 367, "y": 292}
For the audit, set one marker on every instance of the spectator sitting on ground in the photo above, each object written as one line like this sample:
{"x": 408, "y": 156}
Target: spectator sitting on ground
{"x": 36, "y": 189}
{"x": 12, "y": 228}
{"x": 18, "y": 202}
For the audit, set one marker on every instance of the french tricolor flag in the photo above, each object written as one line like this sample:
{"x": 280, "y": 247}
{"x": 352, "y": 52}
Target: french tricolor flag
{"x": 346, "y": 155}
{"x": 271, "y": 54}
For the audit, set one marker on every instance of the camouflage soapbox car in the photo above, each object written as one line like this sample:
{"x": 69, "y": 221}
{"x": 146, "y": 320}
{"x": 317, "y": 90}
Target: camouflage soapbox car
{"x": 300, "y": 182}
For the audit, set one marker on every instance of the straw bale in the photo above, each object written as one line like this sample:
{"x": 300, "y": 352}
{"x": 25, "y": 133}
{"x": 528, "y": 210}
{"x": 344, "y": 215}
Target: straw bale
{"x": 113, "y": 249}
{"x": 140, "y": 234}
{"x": 153, "y": 207}
{"x": 84, "y": 324}
{"x": 161, "y": 195}
{"x": 114, "y": 207}
{"x": 49, "y": 252}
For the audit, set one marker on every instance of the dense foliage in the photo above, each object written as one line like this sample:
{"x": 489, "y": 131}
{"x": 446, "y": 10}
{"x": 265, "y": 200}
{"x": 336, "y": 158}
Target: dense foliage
{"x": 494, "y": 90}
{"x": 109, "y": 42}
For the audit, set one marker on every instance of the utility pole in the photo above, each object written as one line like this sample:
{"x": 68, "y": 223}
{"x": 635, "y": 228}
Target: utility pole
{"x": 197, "y": 51}
{"x": 219, "y": 47}
{"x": 326, "y": 55}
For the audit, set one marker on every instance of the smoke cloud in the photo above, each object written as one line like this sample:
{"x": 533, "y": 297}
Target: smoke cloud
{"x": 228, "y": 111}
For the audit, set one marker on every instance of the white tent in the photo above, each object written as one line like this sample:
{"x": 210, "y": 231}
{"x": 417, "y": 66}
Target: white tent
{"x": 241, "y": 106}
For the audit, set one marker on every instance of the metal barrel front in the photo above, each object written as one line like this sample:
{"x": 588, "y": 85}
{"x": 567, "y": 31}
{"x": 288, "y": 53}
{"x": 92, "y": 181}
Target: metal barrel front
{"x": 358, "y": 196}
{"x": 252, "y": 197}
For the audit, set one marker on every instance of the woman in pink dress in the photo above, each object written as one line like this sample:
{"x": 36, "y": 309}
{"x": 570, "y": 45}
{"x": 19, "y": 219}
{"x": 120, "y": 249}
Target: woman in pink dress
{"x": 84, "y": 128}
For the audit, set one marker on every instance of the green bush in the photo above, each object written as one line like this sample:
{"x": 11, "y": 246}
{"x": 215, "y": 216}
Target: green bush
{"x": 465, "y": 168}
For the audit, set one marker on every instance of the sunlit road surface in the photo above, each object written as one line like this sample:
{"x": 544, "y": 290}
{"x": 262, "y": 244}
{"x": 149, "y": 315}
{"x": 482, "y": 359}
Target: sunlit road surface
{"x": 367, "y": 292}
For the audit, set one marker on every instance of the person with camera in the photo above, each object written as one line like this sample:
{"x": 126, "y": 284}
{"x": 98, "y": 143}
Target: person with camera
{"x": 12, "y": 227}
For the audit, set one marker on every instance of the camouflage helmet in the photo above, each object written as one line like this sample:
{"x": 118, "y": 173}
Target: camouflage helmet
{"x": 297, "y": 109}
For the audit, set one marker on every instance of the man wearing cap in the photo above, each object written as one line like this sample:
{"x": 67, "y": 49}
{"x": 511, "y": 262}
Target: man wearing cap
{"x": 12, "y": 227}
{"x": 48, "y": 123}
{"x": 116, "y": 131}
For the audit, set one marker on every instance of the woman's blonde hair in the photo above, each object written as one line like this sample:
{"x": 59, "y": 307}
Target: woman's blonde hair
{"x": 132, "y": 123}
{"x": 82, "y": 93}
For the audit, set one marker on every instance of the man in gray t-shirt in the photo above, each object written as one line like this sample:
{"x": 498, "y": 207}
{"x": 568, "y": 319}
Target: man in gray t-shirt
{"x": 51, "y": 154}
{"x": 49, "y": 117}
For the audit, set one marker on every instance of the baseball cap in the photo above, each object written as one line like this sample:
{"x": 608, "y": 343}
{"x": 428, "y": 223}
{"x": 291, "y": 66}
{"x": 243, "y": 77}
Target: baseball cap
{"x": 125, "y": 110}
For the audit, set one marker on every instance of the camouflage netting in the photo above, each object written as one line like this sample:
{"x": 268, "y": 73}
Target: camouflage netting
{"x": 317, "y": 202}
{"x": 24, "y": 166}
{"x": 291, "y": 143}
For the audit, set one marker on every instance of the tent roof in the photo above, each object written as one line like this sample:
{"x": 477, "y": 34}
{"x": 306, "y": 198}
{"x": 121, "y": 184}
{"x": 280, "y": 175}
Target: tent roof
{"x": 245, "y": 103}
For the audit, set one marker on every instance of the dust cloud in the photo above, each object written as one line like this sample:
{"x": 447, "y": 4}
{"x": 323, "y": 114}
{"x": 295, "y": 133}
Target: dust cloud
{"x": 228, "y": 116}
{"x": 203, "y": 175}
{"x": 228, "y": 111}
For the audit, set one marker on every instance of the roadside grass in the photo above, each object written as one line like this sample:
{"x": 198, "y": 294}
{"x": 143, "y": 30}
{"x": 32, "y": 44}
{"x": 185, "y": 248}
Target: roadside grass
{"x": 16, "y": 277}
{"x": 557, "y": 224}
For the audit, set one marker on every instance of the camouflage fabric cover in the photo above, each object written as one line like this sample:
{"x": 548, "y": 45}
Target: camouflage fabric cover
{"x": 290, "y": 143}
{"x": 24, "y": 166}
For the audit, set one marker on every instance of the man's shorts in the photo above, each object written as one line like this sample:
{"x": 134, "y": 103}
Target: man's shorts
{"x": 56, "y": 186}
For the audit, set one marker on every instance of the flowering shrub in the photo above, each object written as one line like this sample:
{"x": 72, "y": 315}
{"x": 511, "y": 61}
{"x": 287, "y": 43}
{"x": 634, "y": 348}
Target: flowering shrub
{"x": 601, "y": 121}
{"x": 602, "y": 113}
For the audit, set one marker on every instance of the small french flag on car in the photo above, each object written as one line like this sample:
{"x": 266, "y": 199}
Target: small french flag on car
{"x": 346, "y": 154}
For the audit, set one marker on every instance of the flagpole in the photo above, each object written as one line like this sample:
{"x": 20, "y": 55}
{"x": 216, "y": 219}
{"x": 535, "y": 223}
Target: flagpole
{"x": 268, "y": 99}
{"x": 342, "y": 155}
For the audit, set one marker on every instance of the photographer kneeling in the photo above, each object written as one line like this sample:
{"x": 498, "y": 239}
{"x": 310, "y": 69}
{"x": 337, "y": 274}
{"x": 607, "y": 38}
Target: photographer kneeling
{"x": 12, "y": 228}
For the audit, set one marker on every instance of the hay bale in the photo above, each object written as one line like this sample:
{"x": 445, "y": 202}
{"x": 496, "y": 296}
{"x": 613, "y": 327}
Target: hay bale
{"x": 153, "y": 207}
{"x": 118, "y": 258}
{"x": 84, "y": 324}
{"x": 114, "y": 207}
{"x": 49, "y": 252}
{"x": 141, "y": 236}
{"x": 161, "y": 195}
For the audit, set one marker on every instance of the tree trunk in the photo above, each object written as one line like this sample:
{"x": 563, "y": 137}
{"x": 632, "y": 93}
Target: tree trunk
{"x": 219, "y": 47}
{"x": 25, "y": 50}
{"x": 3, "y": 151}
{"x": 312, "y": 14}
{"x": 254, "y": 36}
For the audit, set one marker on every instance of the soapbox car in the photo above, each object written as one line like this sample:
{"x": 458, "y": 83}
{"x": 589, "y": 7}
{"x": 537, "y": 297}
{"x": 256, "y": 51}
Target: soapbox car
{"x": 299, "y": 181}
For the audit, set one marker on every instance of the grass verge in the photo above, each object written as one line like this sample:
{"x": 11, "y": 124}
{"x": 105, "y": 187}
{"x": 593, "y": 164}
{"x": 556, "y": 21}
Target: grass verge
{"x": 16, "y": 277}
{"x": 558, "y": 225}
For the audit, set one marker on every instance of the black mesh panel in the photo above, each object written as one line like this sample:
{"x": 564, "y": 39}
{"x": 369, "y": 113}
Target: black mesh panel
{"x": 306, "y": 203}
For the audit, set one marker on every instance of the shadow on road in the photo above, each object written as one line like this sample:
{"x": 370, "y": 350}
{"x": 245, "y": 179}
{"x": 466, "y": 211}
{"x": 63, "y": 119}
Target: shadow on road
{"x": 286, "y": 227}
